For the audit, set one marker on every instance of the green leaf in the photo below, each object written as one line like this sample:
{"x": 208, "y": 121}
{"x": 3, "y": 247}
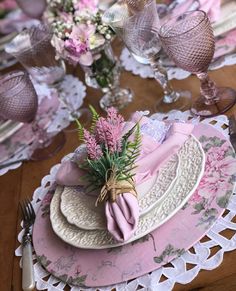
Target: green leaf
{"x": 80, "y": 130}
{"x": 95, "y": 117}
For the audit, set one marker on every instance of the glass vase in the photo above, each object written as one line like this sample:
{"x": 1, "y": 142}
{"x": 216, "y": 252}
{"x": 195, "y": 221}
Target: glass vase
{"x": 104, "y": 74}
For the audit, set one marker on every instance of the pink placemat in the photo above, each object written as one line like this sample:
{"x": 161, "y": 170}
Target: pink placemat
{"x": 105, "y": 267}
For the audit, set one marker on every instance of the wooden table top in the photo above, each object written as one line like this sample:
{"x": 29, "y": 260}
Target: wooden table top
{"x": 20, "y": 183}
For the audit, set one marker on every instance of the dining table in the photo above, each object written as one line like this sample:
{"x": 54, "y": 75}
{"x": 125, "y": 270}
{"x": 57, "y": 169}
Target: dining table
{"x": 20, "y": 183}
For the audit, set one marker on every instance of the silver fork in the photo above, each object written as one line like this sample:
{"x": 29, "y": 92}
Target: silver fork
{"x": 28, "y": 215}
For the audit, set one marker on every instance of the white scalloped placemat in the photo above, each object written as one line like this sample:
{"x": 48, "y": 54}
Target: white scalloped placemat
{"x": 202, "y": 259}
{"x": 145, "y": 71}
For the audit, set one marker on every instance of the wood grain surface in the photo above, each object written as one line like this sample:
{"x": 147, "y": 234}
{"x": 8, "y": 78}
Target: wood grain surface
{"x": 20, "y": 183}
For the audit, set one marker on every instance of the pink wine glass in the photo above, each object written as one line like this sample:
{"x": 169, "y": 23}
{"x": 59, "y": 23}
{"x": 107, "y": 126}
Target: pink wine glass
{"x": 18, "y": 99}
{"x": 19, "y": 102}
{"x": 32, "y": 8}
{"x": 189, "y": 41}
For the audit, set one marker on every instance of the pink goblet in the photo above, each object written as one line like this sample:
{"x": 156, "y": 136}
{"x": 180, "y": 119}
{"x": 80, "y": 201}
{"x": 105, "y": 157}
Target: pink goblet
{"x": 18, "y": 99}
{"x": 19, "y": 102}
{"x": 189, "y": 41}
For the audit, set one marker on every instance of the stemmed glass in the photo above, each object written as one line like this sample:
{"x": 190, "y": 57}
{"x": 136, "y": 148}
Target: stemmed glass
{"x": 19, "y": 102}
{"x": 189, "y": 41}
{"x": 32, "y": 48}
{"x": 137, "y": 23}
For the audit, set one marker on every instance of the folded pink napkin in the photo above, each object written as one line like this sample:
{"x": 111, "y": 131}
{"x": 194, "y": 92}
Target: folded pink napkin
{"x": 69, "y": 174}
{"x": 123, "y": 214}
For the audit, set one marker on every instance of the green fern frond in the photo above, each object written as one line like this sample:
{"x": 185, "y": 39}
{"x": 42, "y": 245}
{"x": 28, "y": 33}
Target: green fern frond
{"x": 80, "y": 130}
{"x": 130, "y": 152}
{"x": 95, "y": 117}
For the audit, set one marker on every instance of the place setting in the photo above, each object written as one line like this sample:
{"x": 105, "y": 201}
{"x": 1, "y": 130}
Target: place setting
{"x": 128, "y": 228}
{"x": 142, "y": 194}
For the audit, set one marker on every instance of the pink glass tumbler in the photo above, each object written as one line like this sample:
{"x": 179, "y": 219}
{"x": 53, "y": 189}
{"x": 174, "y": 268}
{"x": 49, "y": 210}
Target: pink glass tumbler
{"x": 189, "y": 41}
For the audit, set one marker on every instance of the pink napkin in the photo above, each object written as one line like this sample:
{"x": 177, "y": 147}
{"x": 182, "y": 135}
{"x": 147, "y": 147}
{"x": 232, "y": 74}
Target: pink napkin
{"x": 211, "y": 7}
{"x": 69, "y": 174}
{"x": 9, "y": 25}
{"x": 123, "y": 214}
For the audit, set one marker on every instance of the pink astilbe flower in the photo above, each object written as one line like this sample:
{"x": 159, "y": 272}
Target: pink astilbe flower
{"x": 108, "y": 130}
{"x": 114, "y": 118}
{"x": 93, "y": 149}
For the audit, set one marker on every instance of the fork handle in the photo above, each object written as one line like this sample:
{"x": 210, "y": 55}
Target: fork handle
{"x": 28, "y": 282}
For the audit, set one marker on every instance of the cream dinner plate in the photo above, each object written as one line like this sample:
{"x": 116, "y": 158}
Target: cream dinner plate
{"x": 190, "y": 171}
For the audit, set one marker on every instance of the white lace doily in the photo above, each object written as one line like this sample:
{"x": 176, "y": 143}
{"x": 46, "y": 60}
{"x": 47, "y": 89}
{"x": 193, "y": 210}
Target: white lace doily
{"x": 178, "y": 273}
{"x": 71, "y": 99}
{"x": 145, "y": 71}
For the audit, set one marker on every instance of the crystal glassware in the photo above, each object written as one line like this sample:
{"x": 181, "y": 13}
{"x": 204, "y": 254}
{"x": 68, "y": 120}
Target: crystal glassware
{"x": 32, "y": 8}
{"x": 137, "y": 23}
{"x": 189, "y": 41}
{"x": 104, "y": 74}
{"x": 32, "y": 48}
{"x": 19, "y": 102}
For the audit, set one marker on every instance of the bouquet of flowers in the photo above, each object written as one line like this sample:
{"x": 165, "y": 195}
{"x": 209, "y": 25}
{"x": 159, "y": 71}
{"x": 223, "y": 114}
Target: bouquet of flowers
{"x": 111, "y": 155}
{"x": 77, "y": 29}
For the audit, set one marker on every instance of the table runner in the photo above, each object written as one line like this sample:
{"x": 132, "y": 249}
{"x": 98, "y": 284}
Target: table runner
{"x": 201, "y": 259}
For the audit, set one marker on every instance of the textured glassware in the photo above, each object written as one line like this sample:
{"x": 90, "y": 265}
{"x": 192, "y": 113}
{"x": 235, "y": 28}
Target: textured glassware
{"x": 19, "y": 102}
{"x": 137, "y": 23}
{"x": 32, "y": 8}
{"x": 32, "y": 48}
{"x": 189, "y": 41}
{"x": 18, "y": 99}
{"x": 104, "y": 74}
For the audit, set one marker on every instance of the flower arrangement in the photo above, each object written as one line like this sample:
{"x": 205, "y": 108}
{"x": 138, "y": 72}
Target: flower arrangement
{"x": 111, "y": 155}
{"x": 77, "y": 29}
{"x": 6, "y": 6}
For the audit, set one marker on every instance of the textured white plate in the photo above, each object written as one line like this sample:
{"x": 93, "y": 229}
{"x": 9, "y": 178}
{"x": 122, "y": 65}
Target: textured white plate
{"x": 191, "y": 169}
{"x": 79, "y": 208}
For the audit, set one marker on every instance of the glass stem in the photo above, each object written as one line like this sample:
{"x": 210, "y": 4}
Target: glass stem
{"x": 160, "y": 74}
{"x": 208, "y": 88}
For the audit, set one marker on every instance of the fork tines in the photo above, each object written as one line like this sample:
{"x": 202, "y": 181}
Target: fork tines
{"x": 27, "y": 210}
